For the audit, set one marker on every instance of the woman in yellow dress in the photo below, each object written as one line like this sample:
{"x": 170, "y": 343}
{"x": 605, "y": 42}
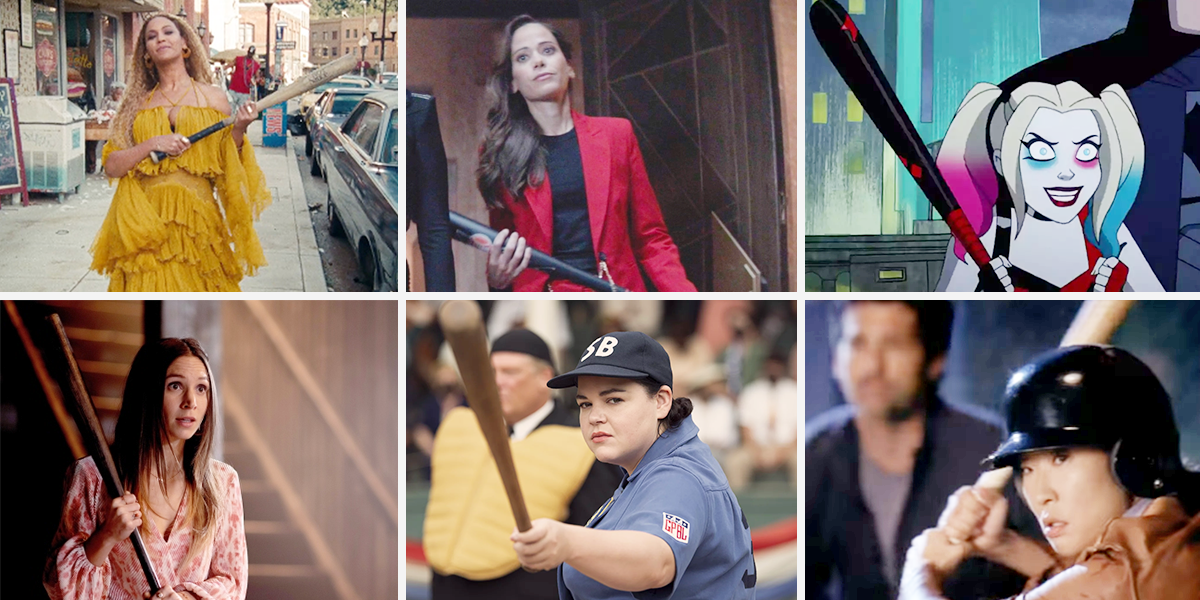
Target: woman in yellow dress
{"x": 165, "y": 230}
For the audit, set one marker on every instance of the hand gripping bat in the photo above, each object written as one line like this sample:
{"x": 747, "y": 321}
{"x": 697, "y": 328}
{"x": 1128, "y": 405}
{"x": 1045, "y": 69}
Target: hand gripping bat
{"x": 462, "y": 322}
{"x": 324, "y": 74}
{"x": 474, "y": 233}
{"x": 93, "y": 437}
{"x": 848, "y": 51}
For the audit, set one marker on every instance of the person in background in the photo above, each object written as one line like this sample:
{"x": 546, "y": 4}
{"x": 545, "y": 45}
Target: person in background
{"x": 767, "y": 415}
{"x": 878, "y": 470}
{"x": 242, "y": 81}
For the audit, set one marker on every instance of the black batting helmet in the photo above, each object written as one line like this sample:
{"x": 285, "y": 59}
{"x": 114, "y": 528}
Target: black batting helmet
{"x": 1096, "y": 396}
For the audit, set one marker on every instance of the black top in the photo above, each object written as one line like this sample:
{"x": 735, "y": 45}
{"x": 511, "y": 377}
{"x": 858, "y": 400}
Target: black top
{"x": 843, "y": 558}
{"x": 572, "y": 230}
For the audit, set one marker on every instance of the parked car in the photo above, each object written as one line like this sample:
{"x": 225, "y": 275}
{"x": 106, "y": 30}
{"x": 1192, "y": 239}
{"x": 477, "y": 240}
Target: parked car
{"x": 309, "y": 98}
{"x": 360, "y": 160}
{"x": 332, "y": 107}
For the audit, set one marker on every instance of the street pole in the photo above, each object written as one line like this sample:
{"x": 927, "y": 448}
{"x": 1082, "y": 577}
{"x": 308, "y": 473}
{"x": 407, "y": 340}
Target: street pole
{"x": 270, "y": 32}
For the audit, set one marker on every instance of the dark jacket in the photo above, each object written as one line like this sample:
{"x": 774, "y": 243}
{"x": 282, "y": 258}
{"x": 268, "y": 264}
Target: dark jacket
{"x": 427, "y": 196}
{"x": 521, "y": 584}
{"x": 840, "y": 531}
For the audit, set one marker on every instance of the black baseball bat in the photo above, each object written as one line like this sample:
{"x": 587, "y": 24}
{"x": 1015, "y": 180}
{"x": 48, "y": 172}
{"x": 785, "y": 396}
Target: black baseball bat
{"x": 839, "y": 36}
{"x": 93, "y": 437}
{"x": 474, "y": 233}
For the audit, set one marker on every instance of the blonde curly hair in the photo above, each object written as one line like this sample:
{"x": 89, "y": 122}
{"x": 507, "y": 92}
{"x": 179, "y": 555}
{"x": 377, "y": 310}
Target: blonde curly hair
{"x": 142, "y": 76}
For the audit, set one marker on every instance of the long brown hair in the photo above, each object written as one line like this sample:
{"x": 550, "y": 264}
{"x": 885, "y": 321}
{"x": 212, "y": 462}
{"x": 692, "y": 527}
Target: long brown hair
{"x": 141, "y": 78}
{"x": 142, "y": 433}
{"x": 513, "y": 156}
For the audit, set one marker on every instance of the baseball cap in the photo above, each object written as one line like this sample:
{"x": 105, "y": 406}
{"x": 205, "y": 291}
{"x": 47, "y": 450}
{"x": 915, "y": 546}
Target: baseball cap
{"x": 623, "y": 354}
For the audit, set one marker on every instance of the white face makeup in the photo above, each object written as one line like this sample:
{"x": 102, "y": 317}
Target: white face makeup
{"x": 1060, "y": 162}
{"x": 1185, "y": 16}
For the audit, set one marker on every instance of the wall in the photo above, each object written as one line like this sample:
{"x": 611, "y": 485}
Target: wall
{"x": 451, "y": 58}
{"x": 350, "y": 349}
{"x": 10, "y": 18}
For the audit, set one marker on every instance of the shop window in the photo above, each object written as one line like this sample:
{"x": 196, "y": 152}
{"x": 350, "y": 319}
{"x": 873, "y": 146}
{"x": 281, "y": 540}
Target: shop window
{"x": 820, "y": 108}
{"x": 81, "y": 60}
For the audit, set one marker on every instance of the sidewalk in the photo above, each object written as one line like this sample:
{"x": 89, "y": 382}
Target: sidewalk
{"x": 44, "y": 246}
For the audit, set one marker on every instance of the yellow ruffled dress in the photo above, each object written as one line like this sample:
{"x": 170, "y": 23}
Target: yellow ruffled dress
{"x": 165, "y": 231}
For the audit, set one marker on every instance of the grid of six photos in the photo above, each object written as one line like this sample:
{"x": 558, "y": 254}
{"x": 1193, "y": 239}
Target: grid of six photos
{"x": 640, "y": 445}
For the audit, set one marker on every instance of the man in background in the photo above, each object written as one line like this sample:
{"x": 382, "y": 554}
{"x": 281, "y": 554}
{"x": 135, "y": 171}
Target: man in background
{"x": 466, "y": 544}
{"x": 879, "y": 470}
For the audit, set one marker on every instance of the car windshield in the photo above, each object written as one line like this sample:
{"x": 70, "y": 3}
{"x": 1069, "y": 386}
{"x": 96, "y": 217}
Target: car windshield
{"x": 391, "y": 141}
{"x": 344, "y": 103}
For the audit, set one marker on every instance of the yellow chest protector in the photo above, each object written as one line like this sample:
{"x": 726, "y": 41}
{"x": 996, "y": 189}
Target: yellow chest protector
{"x": 468, "y": 519}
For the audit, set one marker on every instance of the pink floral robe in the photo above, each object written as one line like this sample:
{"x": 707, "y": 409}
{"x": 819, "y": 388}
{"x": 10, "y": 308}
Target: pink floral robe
{"x": 218, "y": 573}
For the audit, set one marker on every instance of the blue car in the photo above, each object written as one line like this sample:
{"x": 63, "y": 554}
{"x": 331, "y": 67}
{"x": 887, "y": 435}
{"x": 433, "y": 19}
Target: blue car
{"x": 329, "y": 111}
{"x": 360, "y": 159}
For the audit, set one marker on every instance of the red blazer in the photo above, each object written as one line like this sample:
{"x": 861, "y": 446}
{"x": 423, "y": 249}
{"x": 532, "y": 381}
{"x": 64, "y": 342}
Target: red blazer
{"x": 627, "y": 225}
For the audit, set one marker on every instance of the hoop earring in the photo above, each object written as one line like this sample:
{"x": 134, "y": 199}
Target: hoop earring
{"x": 187, "y": 52}
{"x": 149, "y": 63}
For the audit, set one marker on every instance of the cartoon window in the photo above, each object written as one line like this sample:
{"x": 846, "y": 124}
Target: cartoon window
{"x": 857, "y": 7}
{"x": 855, "y": 158}
{"x": 820, "y": 108}
{"x": 854, "y": 111}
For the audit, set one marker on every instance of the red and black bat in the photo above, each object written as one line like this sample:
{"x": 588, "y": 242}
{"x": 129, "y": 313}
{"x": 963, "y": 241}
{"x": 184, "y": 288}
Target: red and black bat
{"x": 474, "y": 233}
{"x": 848, "y": 51}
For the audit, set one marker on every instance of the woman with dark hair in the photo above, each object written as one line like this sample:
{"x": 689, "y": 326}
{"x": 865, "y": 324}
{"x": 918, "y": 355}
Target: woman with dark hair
{"x": 572, "y": 186}
{"x": 185, "y": 223}
{"x": 1095, "y": 449}
{"x": 164, "y": 454}
{"x": 672, "y": 528}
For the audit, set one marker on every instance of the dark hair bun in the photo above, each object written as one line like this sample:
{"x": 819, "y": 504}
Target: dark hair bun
{"x": 680, "y": 409}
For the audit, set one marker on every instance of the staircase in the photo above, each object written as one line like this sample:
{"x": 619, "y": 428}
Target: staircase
{"x": 281, "y": 564}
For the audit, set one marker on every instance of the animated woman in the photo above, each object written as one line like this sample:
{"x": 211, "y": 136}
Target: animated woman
{"x": 1046, "y": 176}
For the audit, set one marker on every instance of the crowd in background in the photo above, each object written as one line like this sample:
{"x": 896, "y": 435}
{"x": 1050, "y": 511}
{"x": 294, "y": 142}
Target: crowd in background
{"x": 736, "y": 361}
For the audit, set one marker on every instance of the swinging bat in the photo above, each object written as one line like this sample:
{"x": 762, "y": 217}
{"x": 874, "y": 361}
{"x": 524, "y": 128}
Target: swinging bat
{"x": 1096, "y": 322}
{"x": 324, "y": 74}
{"x": 462, "y": 322}
{"x": 93, "y": 437}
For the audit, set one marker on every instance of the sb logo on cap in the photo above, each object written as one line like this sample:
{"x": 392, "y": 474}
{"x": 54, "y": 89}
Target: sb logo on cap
{"x": 607, "y": 343}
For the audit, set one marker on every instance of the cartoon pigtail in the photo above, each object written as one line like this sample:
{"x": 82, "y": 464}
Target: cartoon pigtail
{"x": 964, "y": 161}
{"x": 1108, "y": 211}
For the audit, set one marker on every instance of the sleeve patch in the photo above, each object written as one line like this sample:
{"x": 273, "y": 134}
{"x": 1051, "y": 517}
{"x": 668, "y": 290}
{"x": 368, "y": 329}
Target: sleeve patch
{"x": 675, "y": 527}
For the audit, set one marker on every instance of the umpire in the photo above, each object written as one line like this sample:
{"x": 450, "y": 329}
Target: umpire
{"x": 468, "y": 521}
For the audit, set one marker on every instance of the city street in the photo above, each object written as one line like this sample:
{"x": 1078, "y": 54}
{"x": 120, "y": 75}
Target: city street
{"x": 44, "y": 247}
{"x": 337, "y": 257}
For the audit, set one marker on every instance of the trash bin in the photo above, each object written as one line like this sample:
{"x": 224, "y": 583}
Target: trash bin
{"x": 52, "y": 142}
{"x": 274, "y": 120}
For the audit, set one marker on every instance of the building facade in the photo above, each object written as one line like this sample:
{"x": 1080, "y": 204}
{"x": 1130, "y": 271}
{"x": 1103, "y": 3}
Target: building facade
{"x": 334, "y": 38}
{"x": 289, "y": 23}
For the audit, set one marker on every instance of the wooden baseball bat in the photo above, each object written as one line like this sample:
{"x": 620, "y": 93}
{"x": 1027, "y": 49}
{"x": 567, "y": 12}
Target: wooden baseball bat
{"x": 1096, "y": 322}
{"x": 324, "y": 74}
{"x": 462, "y": 322}
{"x": 93, "y": 437}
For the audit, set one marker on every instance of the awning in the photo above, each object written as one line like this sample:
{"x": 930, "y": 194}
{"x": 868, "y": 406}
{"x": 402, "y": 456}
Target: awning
{"x": 120, "y": 6}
